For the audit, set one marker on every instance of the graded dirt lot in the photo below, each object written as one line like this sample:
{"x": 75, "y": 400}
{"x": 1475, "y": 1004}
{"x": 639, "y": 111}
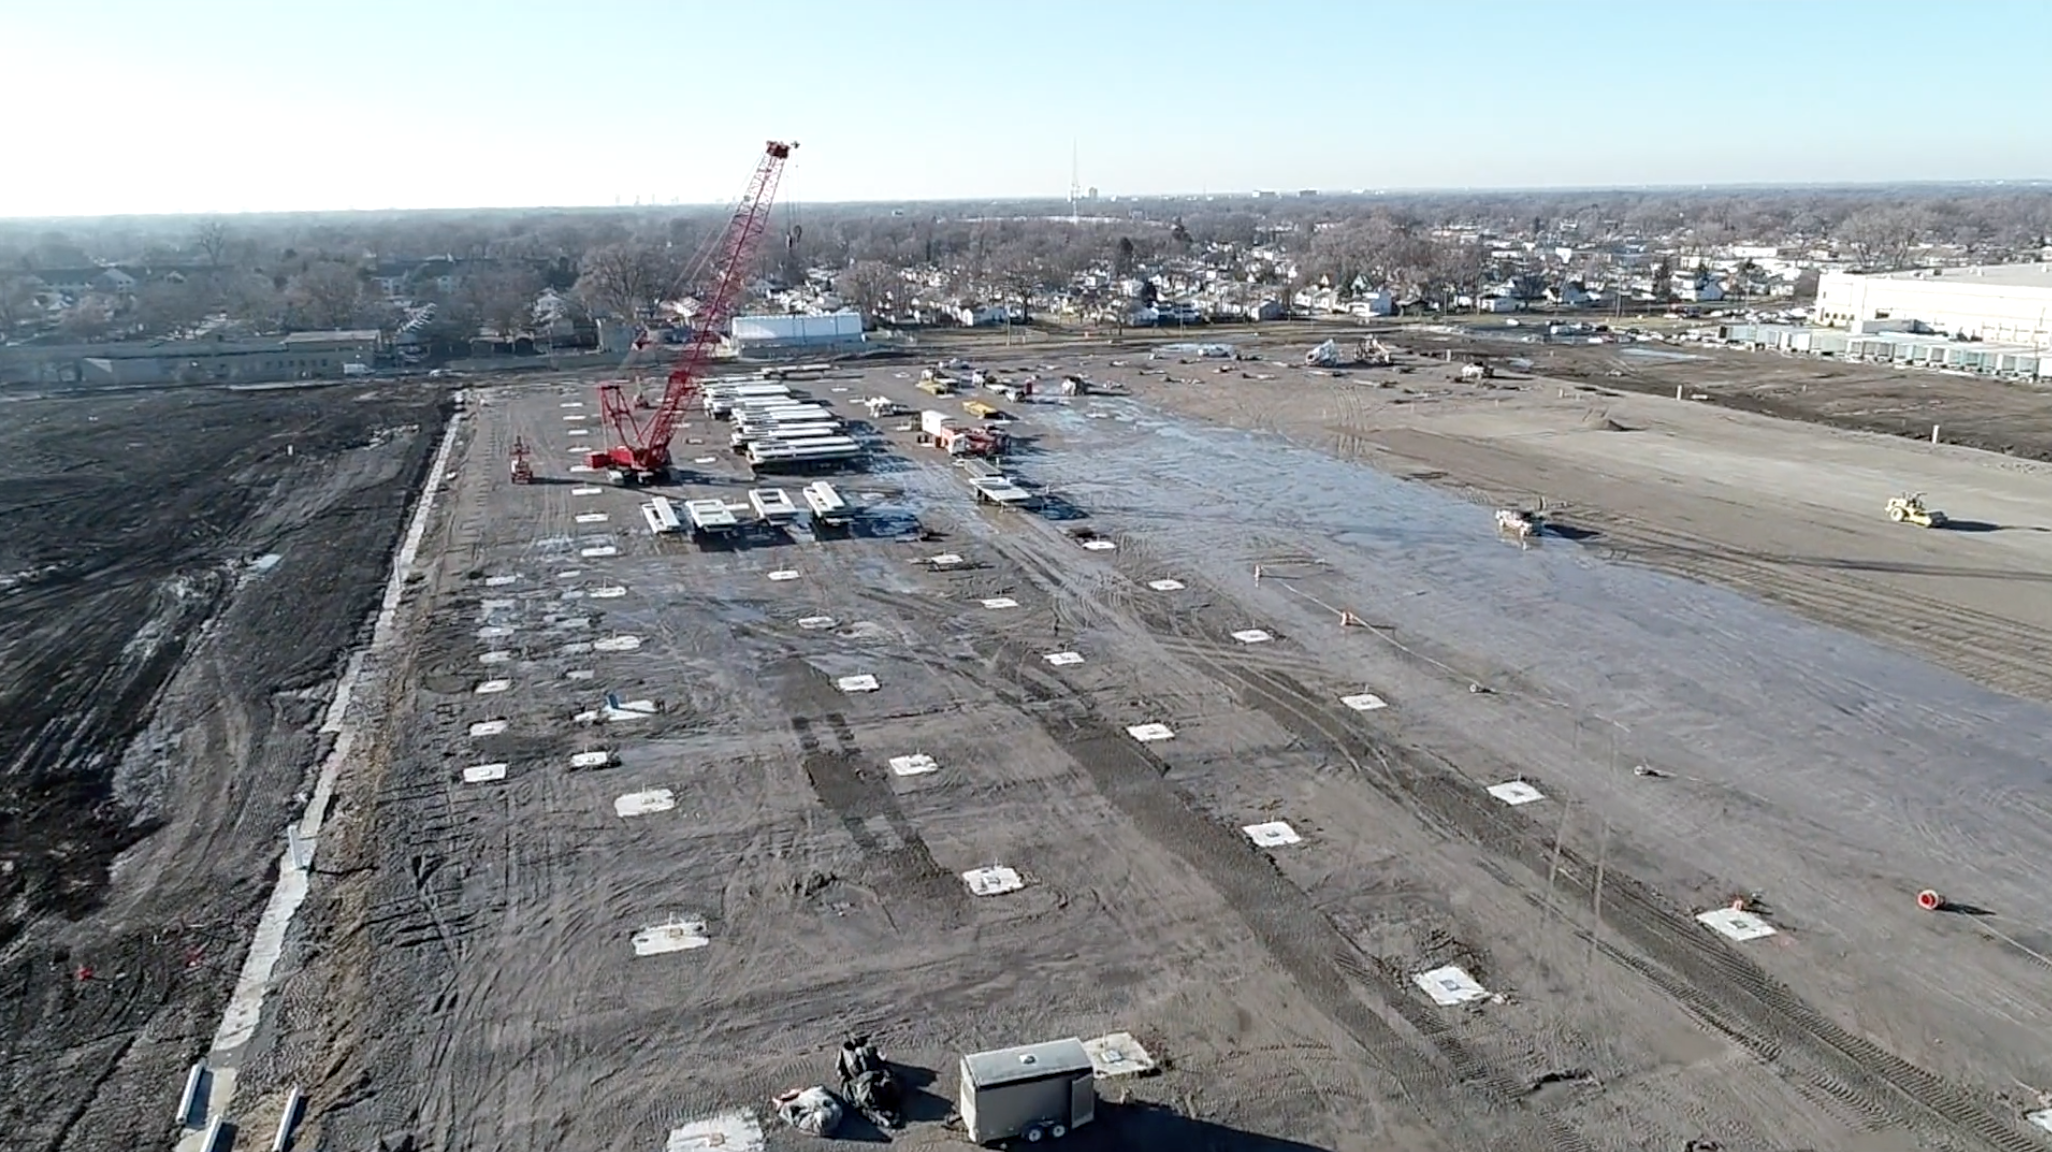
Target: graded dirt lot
{"x": 181, "y": 572}
{"x": 469, "y": 969}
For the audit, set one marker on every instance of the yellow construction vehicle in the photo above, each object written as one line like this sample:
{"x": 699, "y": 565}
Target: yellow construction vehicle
{"x": 1909, "y": 508}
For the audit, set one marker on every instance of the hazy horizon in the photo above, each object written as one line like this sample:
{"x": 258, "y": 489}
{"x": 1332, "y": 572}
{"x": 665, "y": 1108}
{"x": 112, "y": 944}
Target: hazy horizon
{"x": 408, "y": 106}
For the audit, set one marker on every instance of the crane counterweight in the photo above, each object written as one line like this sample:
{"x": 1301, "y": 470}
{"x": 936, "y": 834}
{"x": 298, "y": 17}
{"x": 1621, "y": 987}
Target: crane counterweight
{"x": 641, "y": 448}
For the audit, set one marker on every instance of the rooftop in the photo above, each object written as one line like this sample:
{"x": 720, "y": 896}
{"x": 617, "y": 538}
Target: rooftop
{"x": 364, "y": 335}
{"x": 1992, "y": 275}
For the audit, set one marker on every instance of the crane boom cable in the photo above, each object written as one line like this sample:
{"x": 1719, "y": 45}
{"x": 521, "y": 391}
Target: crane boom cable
{"x": 643, "y": 449}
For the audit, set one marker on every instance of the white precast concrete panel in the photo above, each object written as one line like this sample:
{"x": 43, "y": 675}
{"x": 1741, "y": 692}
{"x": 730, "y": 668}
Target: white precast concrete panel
{"x": 1118, "y": 1054}
{"x": 727, "y": 1132}
{"x": 918, "y": 764}
{"x": 1515, "y": 792}
{"x": 1736, "y": 923}
{"x": 1274, "y": 834}
{"x": 1450, "y": 985}
{"x": 675, "y": 936}
{"x": 645, "y": 803}
{"x": 995, "y": 880}
{"x": 1364, "y": 702}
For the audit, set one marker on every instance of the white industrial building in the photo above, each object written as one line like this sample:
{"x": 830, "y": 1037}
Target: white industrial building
{"x": 768, "y": 335}
{"x": 2011, "y": 303}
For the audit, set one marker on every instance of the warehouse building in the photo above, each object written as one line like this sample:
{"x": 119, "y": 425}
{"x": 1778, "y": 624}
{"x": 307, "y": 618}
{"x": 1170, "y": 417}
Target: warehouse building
{"x": 786, "y": 335}
{"x": 2009, "y": 303}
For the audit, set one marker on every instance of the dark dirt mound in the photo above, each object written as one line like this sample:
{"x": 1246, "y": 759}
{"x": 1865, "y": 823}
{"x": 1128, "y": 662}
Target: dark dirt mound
{"x": 1601, "y": 422}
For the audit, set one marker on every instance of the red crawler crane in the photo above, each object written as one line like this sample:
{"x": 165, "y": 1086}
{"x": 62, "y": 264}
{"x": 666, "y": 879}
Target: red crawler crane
{"x": 641, "y": 449}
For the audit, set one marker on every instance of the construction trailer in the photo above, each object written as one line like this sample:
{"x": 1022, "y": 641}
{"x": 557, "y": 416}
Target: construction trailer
{"x": 1034, "y": 1092}
{"x": 987, "y": 442}
{"x": 711, "y": 519}
{"x": 827, "y": 506}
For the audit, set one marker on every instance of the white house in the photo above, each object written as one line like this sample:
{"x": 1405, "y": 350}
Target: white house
{"x": 1376, "y": 303}
{"x": 1696, "y": 290}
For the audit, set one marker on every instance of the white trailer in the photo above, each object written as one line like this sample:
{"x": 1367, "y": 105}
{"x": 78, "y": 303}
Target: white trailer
{"x": 934, "y": 423}
{"x": 1034, "y": 1093}
{"x": 827, "y": 506}
{"x": 661, "y": 517}
{"x": 772, "y": 505}
{"x": 711, "y": 517}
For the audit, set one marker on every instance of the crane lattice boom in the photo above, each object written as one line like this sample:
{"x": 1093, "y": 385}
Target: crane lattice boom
{"x": 642, "y": 447}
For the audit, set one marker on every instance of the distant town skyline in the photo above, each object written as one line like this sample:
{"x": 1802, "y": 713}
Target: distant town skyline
{"x": 224, "y": 106}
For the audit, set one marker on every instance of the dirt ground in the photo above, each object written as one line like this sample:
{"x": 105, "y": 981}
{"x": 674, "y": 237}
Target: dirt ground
{"x": 180, "y": 574}
{"x": 465, "y": 970}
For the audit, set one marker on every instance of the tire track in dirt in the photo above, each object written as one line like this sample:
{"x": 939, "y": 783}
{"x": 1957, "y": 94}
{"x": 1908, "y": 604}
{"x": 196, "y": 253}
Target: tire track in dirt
{"x": 1301, "y": 939}
{"x": 1729, "y": 993}
{"x": 855, "y": 790}
{"x": 1474, "y": 1071}
{"x": 1980, "y": 645}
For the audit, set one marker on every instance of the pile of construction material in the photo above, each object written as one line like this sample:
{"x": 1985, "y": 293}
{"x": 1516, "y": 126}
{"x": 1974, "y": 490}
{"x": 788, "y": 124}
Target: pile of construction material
{"x": 777, "y": 429}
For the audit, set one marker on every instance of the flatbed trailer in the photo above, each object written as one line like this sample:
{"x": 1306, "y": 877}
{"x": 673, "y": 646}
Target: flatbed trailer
{"x": 1000, "y": 490}
{"x": 826, "y": 504}
{"x": 788, "y": 456}
{"x": 786, "y": 432}
{"x": 661, "y": 516}
{"x": 772, "y": 505}
{"x": 711, "y": 517}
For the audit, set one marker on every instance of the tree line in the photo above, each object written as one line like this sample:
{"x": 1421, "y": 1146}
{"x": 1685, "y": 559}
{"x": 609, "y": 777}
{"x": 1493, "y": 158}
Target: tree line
{"x": 485, "y": 269}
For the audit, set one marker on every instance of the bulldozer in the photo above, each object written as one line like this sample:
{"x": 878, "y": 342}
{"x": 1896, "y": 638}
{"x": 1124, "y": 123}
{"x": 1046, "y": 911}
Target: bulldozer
{"x": 1909, "y": 508}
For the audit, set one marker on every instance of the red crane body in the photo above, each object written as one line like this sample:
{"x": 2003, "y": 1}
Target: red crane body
{"x": 641, "y": 448}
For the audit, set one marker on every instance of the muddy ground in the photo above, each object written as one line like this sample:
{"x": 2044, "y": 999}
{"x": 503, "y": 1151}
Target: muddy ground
{"x": 180, "y": 573}
{"x": 466, "y": 970}
{"x": 1997, "y": 416}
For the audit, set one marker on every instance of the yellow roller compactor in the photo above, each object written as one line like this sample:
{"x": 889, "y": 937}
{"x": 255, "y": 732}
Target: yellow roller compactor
{"x": 1909, "y": 509}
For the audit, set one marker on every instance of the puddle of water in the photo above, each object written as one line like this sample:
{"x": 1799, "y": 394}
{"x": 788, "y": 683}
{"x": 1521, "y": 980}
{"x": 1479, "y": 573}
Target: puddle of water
{"x": 1823, "y": 711}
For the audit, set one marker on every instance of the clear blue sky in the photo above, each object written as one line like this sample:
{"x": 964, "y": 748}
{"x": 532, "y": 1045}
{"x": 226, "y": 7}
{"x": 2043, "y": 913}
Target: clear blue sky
{"x": 122, "y": 106}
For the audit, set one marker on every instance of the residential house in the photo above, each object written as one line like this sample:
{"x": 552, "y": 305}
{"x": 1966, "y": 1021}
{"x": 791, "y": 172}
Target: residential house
{"x": 73, "y": 283}
{"x": 1697, "y": 288}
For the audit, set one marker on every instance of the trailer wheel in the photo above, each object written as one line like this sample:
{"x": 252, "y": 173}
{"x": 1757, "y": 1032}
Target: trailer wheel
{"x": 1034, "y": 1134}
{"x": 1058, "y": 1131}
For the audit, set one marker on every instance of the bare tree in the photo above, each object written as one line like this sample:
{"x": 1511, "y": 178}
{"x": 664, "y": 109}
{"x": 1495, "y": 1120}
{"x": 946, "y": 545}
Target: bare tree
{"x": 327, "y": 294}
{"x": 167, "y": 307}
{"x": 1125, "y": 258}
{"x": 211, "y": 238}
{"x": 89, "y": 319}
{"x": 17, "y": 302}
{"x": 869, "y": 285}
{"x": 503, "y": 298}
{"x": 627, "y": 279}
